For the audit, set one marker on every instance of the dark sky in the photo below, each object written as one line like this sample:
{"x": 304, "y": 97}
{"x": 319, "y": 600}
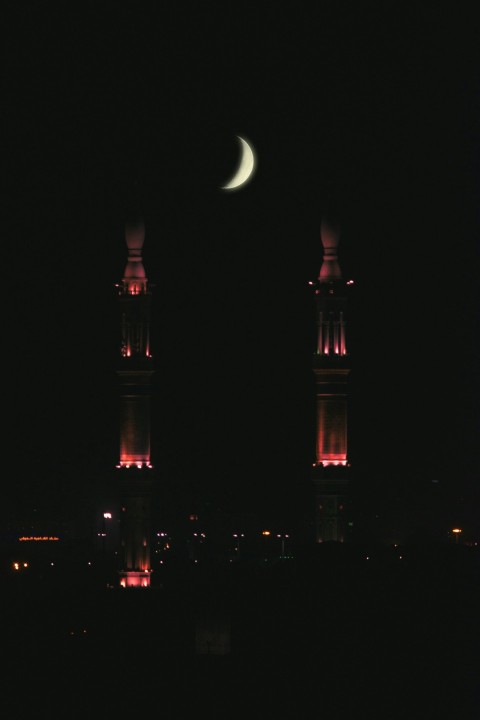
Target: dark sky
{"x": 108, "y": 108}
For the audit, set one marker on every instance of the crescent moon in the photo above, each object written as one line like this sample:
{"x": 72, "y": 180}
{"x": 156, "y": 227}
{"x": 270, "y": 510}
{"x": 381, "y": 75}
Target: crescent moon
{"x": 245, "y": 168}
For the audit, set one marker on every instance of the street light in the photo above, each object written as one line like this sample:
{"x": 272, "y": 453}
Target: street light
{"x": 283, "y": 537}
{"x": 266, "y": 534}
{"x": 456, "y": 532}
{"x": 103, "y": 534}
{"x": 238, "y": 537}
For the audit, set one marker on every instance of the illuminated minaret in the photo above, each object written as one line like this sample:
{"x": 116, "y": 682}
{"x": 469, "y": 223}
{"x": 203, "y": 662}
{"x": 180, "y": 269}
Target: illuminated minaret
{"x": 331, "y": 366}
{"x": 134, "y": 469}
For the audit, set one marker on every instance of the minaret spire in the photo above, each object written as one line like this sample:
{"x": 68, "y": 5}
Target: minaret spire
{"x": 134, "y": 278}
{"x": 331, "y": 367}
{"x": 330, "y": 237}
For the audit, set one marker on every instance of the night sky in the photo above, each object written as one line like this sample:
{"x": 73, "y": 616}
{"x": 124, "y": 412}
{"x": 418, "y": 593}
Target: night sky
{"x": 373, "y": 111}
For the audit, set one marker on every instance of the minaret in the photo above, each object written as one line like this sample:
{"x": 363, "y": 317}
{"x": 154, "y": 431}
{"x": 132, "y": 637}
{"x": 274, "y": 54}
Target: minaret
{"x": 134, "y": 469}
{"x": 331, "y": 366}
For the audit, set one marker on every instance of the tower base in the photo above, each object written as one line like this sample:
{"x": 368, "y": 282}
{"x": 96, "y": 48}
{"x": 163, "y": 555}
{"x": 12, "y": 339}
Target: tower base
{"x": 331, "y": 504}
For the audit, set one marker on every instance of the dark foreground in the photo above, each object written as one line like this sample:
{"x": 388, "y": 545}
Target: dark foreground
{"x": 328, "y": 634}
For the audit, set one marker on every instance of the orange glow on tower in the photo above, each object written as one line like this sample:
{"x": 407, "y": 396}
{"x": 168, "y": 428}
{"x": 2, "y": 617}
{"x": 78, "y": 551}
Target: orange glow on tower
{"x": 331, "y": 367}
{"x": 134, "y": 372}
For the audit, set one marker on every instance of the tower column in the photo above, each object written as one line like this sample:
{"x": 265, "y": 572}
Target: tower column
{"x": 134, "y": 372}
{"x": 331, "y": 367}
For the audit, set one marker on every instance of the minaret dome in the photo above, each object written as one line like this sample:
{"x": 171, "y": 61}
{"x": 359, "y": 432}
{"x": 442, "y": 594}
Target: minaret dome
{"x": 330, "y": 268}
{"x": 134, "y": 276}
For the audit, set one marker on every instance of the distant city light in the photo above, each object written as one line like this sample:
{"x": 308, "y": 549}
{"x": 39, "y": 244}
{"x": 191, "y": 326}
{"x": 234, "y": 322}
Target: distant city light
{"x": 16, "y": 566}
